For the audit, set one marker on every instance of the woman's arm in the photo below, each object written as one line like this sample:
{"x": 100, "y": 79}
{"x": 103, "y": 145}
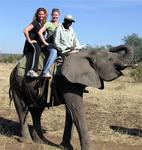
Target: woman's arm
{"x": 40, "y": 33}
{"x": 26, "y": 33}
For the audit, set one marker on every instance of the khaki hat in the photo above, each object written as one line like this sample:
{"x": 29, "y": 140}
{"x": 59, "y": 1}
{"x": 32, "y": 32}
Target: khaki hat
{"x": 70, "y": 18}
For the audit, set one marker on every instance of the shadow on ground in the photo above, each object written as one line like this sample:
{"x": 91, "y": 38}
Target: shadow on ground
{"x": 9, "y": 127}
{"x": 12, "y": 128}
{"x": 129, "y": 131}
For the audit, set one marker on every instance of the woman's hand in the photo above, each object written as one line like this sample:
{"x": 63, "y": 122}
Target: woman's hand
{"x": 40, "y": 33}
{"x": 32, "y": 41}
{"x": 73, "y": 51}
{"x": 45, "y": 43}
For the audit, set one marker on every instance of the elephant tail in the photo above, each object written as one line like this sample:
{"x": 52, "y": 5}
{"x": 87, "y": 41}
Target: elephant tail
{"x": 10, "y": 95}
{"x": 10, "y": 88}
{"x": 11, "y": 79}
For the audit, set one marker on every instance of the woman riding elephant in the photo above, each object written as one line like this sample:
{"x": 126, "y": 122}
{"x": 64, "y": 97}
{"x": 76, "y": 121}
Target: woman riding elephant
{"x": 50, "y": 28}
{"x": 33, "y": 42}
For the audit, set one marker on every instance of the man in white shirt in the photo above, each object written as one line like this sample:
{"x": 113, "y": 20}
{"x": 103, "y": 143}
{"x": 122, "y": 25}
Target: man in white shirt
{"x": 65, "y": 40}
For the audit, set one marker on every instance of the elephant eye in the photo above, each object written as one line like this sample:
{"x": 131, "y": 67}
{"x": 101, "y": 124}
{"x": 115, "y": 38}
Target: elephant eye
{"x": 110, "y": 59}
{"x": 93, "y": 60}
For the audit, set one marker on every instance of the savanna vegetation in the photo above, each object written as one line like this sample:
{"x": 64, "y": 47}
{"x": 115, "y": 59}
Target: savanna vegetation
{"x": 133, "y": 40}
{"x": 9, "y": 58}
{"x": 114, "y": 114}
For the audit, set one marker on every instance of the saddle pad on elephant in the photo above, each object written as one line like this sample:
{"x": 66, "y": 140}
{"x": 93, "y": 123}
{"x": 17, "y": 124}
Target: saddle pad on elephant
{"x": 25, "y": 63}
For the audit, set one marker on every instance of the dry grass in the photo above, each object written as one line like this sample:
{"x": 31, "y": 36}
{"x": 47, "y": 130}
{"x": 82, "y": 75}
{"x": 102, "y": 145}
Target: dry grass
{"x": 116, "y": 108}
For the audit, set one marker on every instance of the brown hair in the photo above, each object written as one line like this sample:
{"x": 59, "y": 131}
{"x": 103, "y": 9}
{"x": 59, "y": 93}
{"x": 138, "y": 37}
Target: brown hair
{"x": 36, "y": 14}
{"x": 55, "y": 10}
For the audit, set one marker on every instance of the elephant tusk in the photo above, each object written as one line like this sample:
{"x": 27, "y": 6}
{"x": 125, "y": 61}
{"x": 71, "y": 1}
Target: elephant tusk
{"x": 131, "y": 65}
{"x": 125, "y": 65}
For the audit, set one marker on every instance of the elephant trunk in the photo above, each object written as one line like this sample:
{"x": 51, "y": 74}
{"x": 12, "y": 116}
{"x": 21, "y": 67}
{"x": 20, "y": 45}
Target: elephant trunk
{"x": 125, "y": 52}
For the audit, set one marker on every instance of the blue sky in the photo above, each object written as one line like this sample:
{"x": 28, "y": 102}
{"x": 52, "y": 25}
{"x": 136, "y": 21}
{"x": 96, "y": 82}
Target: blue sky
{"x": 98, "y": 22}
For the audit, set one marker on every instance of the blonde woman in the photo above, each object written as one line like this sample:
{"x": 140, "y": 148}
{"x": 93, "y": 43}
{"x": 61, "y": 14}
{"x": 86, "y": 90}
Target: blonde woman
{"x": 33, "y": 42}
{"x": 50, "y": 27}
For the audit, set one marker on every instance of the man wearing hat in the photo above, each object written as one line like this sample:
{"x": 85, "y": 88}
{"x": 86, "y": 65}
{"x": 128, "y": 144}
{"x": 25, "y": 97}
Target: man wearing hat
{"x": 65, "y": 40}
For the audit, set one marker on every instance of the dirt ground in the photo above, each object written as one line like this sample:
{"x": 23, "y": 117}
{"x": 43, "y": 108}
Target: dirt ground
{"x": 114, "y": 117}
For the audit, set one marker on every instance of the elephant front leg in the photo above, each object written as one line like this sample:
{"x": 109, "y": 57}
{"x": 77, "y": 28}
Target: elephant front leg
{"x": 67, "y": 131}
{"x": 74, "y": 103}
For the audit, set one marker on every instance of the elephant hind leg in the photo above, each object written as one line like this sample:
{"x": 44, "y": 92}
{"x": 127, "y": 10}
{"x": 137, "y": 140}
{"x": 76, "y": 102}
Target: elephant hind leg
{"x": 37, "y": 134}
{"x": 22, "y": 112}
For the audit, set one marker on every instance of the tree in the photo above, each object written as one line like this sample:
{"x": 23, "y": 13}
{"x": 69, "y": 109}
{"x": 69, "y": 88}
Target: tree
{"x": 136, "y": 42}
{"x": 108, "y": 46}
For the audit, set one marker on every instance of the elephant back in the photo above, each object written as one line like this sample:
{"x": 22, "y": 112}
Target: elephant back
{"x": 25, "y": 62}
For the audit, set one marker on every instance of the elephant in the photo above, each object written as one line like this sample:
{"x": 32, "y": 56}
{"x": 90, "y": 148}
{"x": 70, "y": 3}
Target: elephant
{"x": 78, "y": 71}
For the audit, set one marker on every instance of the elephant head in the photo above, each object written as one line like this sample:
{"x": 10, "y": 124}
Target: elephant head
{"x": 91, "y": 68}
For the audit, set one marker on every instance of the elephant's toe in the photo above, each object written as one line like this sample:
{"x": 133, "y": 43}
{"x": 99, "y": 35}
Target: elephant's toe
{"x": 66, "y": 146}
{"x": 25, "y": 140}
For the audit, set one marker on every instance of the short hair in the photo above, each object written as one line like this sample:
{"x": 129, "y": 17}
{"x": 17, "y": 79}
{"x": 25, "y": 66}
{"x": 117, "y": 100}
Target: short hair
{"x": 55, "y": 10}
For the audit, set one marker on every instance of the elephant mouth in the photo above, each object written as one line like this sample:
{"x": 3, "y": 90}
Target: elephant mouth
{"x": 119, "y": 73}
{"x": 118, "y": 69}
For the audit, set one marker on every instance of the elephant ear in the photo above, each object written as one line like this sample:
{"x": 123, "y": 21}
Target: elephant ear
{"x": 77, "y": 69}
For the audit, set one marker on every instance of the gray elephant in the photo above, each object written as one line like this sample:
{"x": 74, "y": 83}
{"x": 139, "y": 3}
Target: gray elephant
{"x": 79, "y": 70}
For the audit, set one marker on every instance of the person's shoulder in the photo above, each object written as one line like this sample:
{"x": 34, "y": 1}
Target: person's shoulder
{"x": 59, "y": 28}
{"x": 59, "y": 24}
{"x": 71, "y": 29}
{"x": 34, "y": 22}
{"x": 48, "y": 25}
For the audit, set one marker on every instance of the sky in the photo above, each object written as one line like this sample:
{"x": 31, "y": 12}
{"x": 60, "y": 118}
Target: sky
{"x": 97, "y": 22}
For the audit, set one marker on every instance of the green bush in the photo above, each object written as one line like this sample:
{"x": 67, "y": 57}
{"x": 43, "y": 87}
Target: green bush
{"x": 136, "y": 74}
{"x": 9, "y": 58}
{"x": 135, "y": 41}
